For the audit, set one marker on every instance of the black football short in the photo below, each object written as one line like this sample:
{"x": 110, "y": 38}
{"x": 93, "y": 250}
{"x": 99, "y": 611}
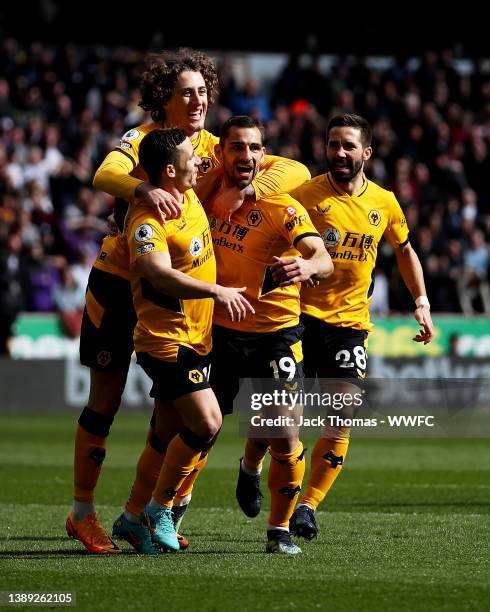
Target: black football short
{"x": 333, "y": 352}
{"x": 253, "y": 355}
{"x": 173, "y": 379}
{"x": 109, "y": 318}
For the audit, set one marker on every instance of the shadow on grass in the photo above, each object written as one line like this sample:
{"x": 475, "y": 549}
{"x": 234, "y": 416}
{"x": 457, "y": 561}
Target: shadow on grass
{"x": 43, "y": 554}
{"x": 33, "y": 538}
{"x": 67, "y": 554}
{"x": 408, "y": 504}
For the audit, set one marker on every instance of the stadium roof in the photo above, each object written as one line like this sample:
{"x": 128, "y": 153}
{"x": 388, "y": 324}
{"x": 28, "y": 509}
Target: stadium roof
{"x": 354, "y": 29}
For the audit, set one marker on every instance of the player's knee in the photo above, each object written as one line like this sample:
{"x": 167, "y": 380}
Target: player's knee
{"x": 210, "y": 426}
{"x": 284, "y": 445}
{"x": 156, "y": 443}
{"x": 202, "y": 435}
{"x": 95, "y": 423}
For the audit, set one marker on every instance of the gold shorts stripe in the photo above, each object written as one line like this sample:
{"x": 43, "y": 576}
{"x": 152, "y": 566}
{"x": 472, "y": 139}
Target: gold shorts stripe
{"x": 94, "y": 310}
{"x": 297, "y": 350}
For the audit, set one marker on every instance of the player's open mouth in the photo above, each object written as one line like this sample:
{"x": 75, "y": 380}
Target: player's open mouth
{"x": 195, "y": 116}
{"x": 244, "y": 170}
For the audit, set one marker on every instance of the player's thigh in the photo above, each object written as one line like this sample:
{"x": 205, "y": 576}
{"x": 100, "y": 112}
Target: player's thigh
{"x": 174, "y": 379}
{"x": 347, "y": 355}
{"x": 333, "y": 352}
{"x": 343, "y": 370}
{"x": 200, "y": 412}
{"x": 280, "y": 356}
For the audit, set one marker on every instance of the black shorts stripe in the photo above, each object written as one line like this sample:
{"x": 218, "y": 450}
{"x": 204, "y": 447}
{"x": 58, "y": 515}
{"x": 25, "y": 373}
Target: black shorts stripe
{"x": 108, "y": 289}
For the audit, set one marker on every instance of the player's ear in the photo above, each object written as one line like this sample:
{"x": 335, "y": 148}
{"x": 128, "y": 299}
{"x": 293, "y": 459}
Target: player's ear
{"x": 169, "y": 171}
{"x": 218, "y": 152}
{"x": 368, "y": 151}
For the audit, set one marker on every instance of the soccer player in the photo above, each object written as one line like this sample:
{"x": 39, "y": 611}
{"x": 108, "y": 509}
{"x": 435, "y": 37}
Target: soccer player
{"x": 173, "y": 280}
{"x": 177, "y": 89}
{"x": 352, "y": 214}
{"x": 270, "y": 231}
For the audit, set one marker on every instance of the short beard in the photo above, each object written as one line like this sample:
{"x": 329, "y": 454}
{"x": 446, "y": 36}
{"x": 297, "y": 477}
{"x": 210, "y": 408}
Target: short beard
{"x": 345, "y": 178}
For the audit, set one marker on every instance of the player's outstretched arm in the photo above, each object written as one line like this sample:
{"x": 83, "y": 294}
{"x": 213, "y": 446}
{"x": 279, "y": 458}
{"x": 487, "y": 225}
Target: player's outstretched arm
{"x": 413, "y": 277}
{"x": 279, "y": 175}
{"x": 157, "y": 268}
{"x": 315, "y": 264}
{"x": 113, "y": 176}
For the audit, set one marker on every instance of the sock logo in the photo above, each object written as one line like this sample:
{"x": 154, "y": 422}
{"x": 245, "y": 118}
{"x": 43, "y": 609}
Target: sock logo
{"x": 333, "y": 459}
{"x": 97, "y": 455}
{"x": 289, "y": 492}
{"x": 302, "y": 456}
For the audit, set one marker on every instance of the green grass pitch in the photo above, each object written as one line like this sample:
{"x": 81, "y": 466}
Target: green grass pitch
{"x": 405, "y": 528}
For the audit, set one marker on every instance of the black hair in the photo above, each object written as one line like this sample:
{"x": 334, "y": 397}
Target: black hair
{"x": 240, "y": 121}
{"x": 158, "y": 149}
{"x": 354, "y": 121}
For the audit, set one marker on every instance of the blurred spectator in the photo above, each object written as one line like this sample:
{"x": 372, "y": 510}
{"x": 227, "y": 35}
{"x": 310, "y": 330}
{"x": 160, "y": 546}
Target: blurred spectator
{"x": 249, "y": 101}
{"x": 474, "y": 291}
{"x": 69, "y": 298}
{"x": 380, "y": 302}
{"x": 40, "y": 278}
{"x": 11, "y": 297}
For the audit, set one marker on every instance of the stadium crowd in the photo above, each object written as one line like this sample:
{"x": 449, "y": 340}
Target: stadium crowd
{"x": 63, "y": 109}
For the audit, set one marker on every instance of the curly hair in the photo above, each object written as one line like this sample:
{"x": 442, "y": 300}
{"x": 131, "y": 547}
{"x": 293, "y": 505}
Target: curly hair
{"x": 158, "y": 81}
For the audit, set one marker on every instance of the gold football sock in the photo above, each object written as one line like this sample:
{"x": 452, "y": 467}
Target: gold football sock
{"x": 253, "y": 457}
{"x": 147, "y": 472}
{"x": 89, "y": 455}
{"x": 188, "y": 484}
{"x": 179, "y": 462}
{"x": 326, "y": 462}
{"x": 286, "y": 472}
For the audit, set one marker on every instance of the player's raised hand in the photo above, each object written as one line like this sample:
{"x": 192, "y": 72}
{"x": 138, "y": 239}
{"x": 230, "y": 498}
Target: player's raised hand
{"x": 161, "y": 201}
{"x": 422, "y": 316}
{"x": 227, "y": 201}
{"x": 234, "y": 302}
{"x": 290, "y": 270}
